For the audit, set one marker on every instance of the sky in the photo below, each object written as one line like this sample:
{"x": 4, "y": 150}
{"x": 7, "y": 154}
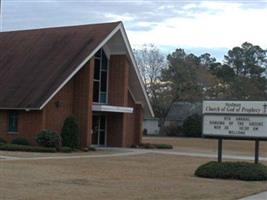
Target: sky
{"x": 196, "y": 26}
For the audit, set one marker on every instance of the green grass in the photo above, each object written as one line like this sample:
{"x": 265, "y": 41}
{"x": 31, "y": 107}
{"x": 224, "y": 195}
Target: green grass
{"x": 233, "y": 170}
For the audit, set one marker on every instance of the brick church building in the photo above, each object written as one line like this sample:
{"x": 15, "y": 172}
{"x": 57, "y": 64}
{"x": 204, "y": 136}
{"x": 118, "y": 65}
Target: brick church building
{"x": 87, "y": 71}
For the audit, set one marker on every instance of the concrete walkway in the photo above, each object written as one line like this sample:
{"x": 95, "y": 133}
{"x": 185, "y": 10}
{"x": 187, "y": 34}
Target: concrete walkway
{"x": 182, "y": 153}
{"x": 260, "y": 196}
{"x": 205, "y": 155}
{"x": 123, "y": 153}
{"x": 131, "y": 152}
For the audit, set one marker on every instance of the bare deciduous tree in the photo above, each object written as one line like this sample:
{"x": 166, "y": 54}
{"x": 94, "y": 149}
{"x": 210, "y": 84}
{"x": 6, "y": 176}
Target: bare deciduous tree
{"x": 150, "y": 62}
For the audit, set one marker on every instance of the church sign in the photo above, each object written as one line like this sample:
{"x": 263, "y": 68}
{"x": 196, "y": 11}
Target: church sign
{"x": 235, "y": 119}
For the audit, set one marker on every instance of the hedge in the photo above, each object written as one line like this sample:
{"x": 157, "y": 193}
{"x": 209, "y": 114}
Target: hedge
{"x": 16, "y": 147}
{"x": 2, "y": 141}
{"x": 20, "y": 141}
{"x": 155, "y": 146}
{"x": 66, "y": 149}
{"x": 233, "y": 170}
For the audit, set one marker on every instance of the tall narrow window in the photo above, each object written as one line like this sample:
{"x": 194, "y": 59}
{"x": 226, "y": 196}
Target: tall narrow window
{"x": 100, "y": 77}
{"x": 13, "y": 121}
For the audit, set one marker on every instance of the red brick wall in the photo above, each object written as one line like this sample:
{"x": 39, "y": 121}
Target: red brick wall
{"x": 32, "y": 122}
{"x": 130, "y": 117}
{"x": 83, "y": 98}
{"x": 118, "y": 80}
{"x": 29, "y": 124}
{"x": 115, "y": 129}
{"x": 74, "y": 98}
{"x": 59, "y": 108}
{"x": 124, "y": 129}
{"x": 139, "y": 123}
{"x": 134, "y": 123}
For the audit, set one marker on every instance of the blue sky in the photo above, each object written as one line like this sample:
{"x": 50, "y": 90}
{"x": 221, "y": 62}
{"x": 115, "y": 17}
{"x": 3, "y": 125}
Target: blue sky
{"x": 197, "y": 26}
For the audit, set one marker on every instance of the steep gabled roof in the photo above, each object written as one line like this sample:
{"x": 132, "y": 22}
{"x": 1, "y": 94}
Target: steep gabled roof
{"x": 36, "y": 64}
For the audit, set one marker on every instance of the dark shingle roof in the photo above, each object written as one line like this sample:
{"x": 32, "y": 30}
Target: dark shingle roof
{"x": 34, "y": 63}
{"x": 179, "y": 111}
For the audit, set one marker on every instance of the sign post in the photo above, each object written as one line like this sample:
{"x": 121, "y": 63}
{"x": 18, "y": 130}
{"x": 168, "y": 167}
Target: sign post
{"x": 257, "y": 145}
{"x": 239, "y": 120}
{"x": 219, "y": 150}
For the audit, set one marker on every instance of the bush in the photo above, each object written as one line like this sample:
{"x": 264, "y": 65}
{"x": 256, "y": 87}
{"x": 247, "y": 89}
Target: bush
{"x": 171, "y": 130}
{"x": 66, "y": 149}
{"x": 92, "y": 148}
{"x": 70, "y": 133}
{"x": 147, "y": 146}
{"x": 20, "y": 141}
{"x": 154, "y": 146}
{"x": 27, "y": 148}
{"x": 163, "y": 146}
{"x": 192, "y": 126}
{"x": 48, "y": 138}
{"x": 233, "y": 170}
{"x": 2, "y": 141}
{"x": 145, "y": 131}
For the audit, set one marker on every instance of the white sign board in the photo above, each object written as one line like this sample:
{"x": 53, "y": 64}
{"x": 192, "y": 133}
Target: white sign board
{"x": 246, "y": 119}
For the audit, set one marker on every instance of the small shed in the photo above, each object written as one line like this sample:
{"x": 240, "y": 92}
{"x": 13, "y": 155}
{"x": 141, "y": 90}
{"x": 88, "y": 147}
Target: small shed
{"x": 151, "y": 126}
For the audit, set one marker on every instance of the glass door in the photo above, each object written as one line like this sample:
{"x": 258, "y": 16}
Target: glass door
{"x": 99, "y": 130}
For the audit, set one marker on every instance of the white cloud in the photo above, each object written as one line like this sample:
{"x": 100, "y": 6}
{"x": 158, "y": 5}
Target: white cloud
{"x": 189, "y": 6}
{"x": 219, "y": 25}
{"x": 114, "y": 17}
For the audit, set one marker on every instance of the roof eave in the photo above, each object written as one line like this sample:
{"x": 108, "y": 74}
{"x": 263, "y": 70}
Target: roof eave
{"x": 125, "y": 38}
{"x": 121, "y": 28}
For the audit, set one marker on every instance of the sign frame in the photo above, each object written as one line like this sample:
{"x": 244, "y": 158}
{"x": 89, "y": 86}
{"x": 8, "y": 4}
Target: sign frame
{"x": 232, "y": 137}
{"x": 220, "y": 138}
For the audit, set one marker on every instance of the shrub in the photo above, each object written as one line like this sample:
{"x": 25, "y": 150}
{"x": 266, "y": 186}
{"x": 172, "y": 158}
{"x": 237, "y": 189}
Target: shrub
{"x": 233, "y": 170}
{"x": 154, "y": 146}
{"x": 20, "y": 141}
{"x": 145, "y": 131}
{"x": 147, "y": 146}
{"x": 2, "y": 141}
{"x": 171, "y": 130}
{"x": 92, "y": 148}
{"x": 66, "y": 149}
{"x": 163, "y": 146}
{"x": 192, "y": 126}
{"x": 70, "y": 133}
{"x": 27, "y": 148}
{"x": 48, "y": 138}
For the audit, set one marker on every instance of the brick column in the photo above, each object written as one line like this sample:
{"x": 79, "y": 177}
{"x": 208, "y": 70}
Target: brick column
{"x": 118, "y": 95}
{"x": 139, "y": 120}
{"x": 83, "y": 98}
{"x": 118, "y": 80}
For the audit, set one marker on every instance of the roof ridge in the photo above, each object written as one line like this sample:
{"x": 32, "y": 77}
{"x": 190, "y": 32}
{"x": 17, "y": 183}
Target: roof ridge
{"x": 62, "y": 27}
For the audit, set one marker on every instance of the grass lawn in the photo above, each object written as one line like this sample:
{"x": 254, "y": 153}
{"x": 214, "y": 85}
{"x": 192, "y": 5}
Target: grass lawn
{"x": 148, "y": 176}
{"x": 234, "y": 147}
